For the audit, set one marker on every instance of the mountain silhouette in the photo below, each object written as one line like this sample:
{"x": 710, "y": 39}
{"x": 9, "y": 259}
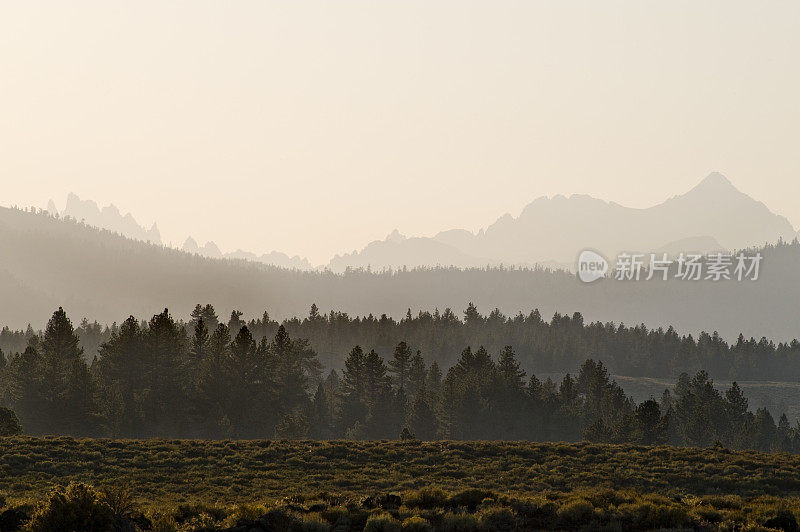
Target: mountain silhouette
{"x": 109, "y": 217}
{"x": 399, "y": 251}
{"x": 273, "y": 258}
{"x": 713, "y": 215}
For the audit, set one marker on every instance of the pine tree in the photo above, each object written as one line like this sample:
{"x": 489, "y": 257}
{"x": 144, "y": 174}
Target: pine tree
{"x": 166, "y": 403}
{"x": 291, "y": 378}
{"x": 511, "y": 375}
{"x": 123, "y": 378}
{"x": 421, "y": 418}
{"x": 212, "y": 400}
{"x": 198, "y": 347}
{"x": 321, "y": 422}
{"x": 433, "y": 382}
{"x": 400, "y": 366}
{"x": 510, "y": 396}
{"x": 244, "y": 386}
{"x": 649, "y": 427}
{"x": 416, "y": 375}
{"x": 69, "y": 406}
{"x": 235, "y": 322}
{"x": 376, "y": 381}
{"x": 26, "y": 391}
{"x": 353, "y": 390}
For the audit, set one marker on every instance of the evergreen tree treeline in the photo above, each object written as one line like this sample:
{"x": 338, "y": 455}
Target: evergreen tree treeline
{"x": 158, "y": 379}
{"x": 555, "y": 346}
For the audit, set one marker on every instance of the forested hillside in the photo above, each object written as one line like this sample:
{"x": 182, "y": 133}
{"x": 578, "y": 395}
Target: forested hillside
{"x": 48, "y": 262}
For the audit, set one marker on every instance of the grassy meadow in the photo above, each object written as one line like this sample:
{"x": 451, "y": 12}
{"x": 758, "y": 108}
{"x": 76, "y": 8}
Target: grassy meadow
{"x": 446, "y": 485}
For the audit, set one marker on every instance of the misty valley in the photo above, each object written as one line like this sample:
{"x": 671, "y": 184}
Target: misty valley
{"x": 396, "y": 266}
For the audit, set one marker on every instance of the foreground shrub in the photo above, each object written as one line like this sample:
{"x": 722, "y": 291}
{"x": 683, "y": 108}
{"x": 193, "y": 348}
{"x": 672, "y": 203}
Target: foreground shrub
{"x": 459, "y": 523}
{"x": 382, "y": 523}
{"x": 497, "y": 519}
{"x": 471, "y": 498}
{"x": 314, "y": 523}
{"x": 426, "y": 498}
{"x": 575, "y": 513}
{"x": 164, "y": 523}
{"x": 79, "y": 507}
{"x": 417, "y": 524}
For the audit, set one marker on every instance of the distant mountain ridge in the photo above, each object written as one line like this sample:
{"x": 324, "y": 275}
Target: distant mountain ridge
{"x": 273, "y": 258}
{"x": 711, "y": 216}
{"x": 109, "y": 217}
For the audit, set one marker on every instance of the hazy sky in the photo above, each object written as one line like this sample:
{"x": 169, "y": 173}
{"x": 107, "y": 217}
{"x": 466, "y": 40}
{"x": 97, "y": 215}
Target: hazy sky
{"x": 315, "y": 127}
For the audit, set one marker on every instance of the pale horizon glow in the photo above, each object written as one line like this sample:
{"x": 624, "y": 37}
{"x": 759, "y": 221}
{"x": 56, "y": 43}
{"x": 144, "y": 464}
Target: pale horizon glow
{"x": 313, "y": 128}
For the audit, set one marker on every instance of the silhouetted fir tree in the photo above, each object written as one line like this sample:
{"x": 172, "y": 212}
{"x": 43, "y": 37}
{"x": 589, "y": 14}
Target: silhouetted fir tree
{"x": 235, "y": 322}
{"x": 292, "y": 360}
{"x": 198, "y": 347}
{"x": 649, "y": 426}
{"x": 385, "y": 417}
{"x": 123, "y": 377}
{"x": 472, "y": 318}
{"x": 510, "y": 395}
{"x": 400, "y": 408}
{"x": 783, "y": 437}
{"x": 245, "y": 387}
{"x": 569, "y": 423}
{"x": 68, "y": 404}
{"x": 332, "y": 385}
{"x": 433, "y": 381}
{"x": 737, "y": 414}
{"x": 416, "y": 375}
{"x": 400, "y": 365}
{"x": 466, "y": 395}
{"x": 165, "y": 402}
{"x": 765, "y": 430}
{"x": 26, "y": 392}
{"x": 376, "y": 380}
{"x": 353, "y": 391}
{"x": 321, "y": 427}
{"x": 421, "y": 418}
{"x": 212, "y": 401}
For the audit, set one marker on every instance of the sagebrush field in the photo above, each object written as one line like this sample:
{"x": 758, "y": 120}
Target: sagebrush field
{"x": 316, "y": 485}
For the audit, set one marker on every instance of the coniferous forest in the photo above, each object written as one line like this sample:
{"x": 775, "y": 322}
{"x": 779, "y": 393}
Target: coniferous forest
{"x": 206, "y": 379}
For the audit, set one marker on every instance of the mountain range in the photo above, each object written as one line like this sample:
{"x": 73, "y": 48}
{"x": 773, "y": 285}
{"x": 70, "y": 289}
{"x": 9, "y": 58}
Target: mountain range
{"x": 109, "y": 217}
{"x": 713, "y": 215}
